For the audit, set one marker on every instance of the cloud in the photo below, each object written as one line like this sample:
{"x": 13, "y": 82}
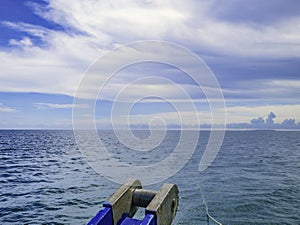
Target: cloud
{"x": 277, "y": 90}
{"x": 34, "y": 30}
{"x": 57, "y": 69}
{"x": 185, "y": 120}
{"x": 254, "y": 49}
{"x": 289, "y": 123}
{"x": 46, "y": 106}
{"x": 91, "y": 28}
{"x": 269, "y": 120}
{"x": 260, "y": 123}
{"x": 7, "y": 109}
{"x": 183, "y": 22}
{"x": 25, "y": 42}
{"x": 266, "y": 12}
{"x": 241, "y": 114}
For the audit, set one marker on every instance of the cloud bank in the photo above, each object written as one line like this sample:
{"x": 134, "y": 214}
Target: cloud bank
{"x": 268, "y": 123}
{"x": 253, "y": 48}
{"x": 56, "y": 63}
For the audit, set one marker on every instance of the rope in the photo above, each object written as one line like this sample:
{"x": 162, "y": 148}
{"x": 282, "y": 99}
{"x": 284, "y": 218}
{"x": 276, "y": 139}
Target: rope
{"x": 210, "y": 217}
{"x": 206, "y": 209}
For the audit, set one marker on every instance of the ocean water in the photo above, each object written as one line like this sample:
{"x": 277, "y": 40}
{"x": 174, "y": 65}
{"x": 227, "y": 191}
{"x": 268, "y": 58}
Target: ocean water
{"x": 255, "y": 179}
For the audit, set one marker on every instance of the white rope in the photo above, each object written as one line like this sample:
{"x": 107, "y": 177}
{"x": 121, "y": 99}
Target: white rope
{"x": 210, "y": 217}
{"x": 206, "y": 209}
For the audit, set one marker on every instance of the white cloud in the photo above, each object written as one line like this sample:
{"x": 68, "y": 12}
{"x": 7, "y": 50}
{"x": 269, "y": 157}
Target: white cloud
{"x": 7, "y": 109}
{"x": 95, "y": 27}
{"x": 24, "y": 42}
{"x": 55, "y": 69}
{"x": 279, "y": 90}
{"x": 33, "y": 30}
{"x": 272, "y": 41}
{"x": 238, "y": 114}
{"x": 184, "y": 22}
{"x": 45, "y": 106}
{"x": 134, "y": 91}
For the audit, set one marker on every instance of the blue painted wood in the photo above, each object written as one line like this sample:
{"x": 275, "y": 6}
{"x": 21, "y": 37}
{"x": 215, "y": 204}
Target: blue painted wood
{"x": 149, "y": 219}
{"x": 103, "y": 217}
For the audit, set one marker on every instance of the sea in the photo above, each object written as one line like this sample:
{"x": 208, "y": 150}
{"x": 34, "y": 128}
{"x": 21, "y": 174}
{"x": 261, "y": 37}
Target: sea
{"x": 255, "y": 178}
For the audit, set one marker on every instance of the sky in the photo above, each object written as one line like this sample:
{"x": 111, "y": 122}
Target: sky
{"x": 252, "y": 47}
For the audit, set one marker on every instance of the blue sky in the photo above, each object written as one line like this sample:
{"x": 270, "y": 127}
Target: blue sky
{"x": 253, "y": 48}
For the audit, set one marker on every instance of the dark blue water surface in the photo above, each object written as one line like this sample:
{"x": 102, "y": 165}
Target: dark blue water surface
{"x": 255, "y": 178}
